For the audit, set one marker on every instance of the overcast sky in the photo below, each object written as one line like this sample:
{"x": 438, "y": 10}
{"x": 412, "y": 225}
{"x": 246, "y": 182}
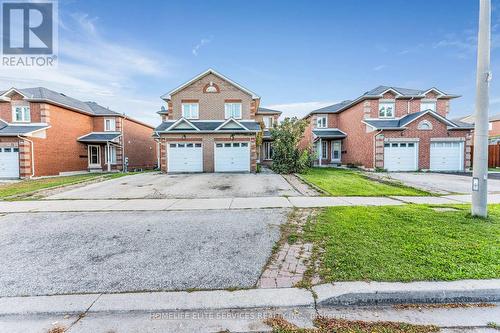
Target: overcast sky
{"x": 297, "y": 55}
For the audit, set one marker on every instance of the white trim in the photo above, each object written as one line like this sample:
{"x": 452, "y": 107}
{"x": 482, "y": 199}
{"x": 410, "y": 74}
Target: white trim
{"x": 440, "y": 93}
{"x": 190, "y": 111}
{"x": 90, "y": 156}
{"x": 232, "y": 116}
{"x": 227, "y": 121}
{"x": 179, "y": 121}
{"x": 115, "y": 132}
{"x": 432, "y": 113}
{"x": 114, "y": 123}
{"x": 397, "y": 93}
{"x": 332, "y": 144}
{"x": 330, "y": 129}
{"x": 168, "y": 95}
{"x": 23, "y": 109}
{"x": 8, "y": 92}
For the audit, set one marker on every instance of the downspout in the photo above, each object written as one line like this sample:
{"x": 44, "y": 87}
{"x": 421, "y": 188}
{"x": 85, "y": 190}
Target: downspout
{"x": 158, "y": 154}
{"x": 32, "y": 155}
{"x": 123, "y": 143}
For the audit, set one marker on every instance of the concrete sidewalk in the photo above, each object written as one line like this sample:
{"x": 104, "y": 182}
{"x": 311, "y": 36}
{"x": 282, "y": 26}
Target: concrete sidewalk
{"x": 89, "y": 312}
{"x": 224, "y": 203}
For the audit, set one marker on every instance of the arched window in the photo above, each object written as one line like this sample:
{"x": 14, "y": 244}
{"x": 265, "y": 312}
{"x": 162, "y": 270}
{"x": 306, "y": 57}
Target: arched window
{"x": 211, "y": 88}
{"x": 425, "y": 125}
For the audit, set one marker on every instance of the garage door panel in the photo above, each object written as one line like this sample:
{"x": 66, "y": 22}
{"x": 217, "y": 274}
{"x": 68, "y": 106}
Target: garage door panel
{"x": 401, "y": 156}
{"x": 9, "y": 162}
{"x": 232, "y": 157}
{"x": 185, "y": 157}
{"x": 447, "y": 156}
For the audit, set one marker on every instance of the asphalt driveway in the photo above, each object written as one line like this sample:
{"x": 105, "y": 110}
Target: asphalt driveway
{"x": 205, "y": 185}
{"x": 60, "y": 253}
{"x": 442, "y": 183}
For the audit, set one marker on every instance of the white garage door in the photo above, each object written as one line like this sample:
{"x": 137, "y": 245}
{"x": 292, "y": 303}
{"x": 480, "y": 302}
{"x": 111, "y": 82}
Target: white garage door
{"x": 401, "y": 156}
{"x": 447, "y": 156}
{"x": 9, "y": 162}
{"x": 185, "y": 157}
{"x": 232, "y": 156}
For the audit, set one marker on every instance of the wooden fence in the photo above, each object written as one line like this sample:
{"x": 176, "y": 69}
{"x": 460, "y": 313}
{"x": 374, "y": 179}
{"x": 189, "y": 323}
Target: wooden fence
{"x": 493, "y": 155}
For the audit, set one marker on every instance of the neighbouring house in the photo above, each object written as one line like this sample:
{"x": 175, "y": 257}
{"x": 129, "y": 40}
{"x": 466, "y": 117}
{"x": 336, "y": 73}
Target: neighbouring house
{"x": 46, "y": 133}
{"x": 267, "y": 119}
{"x": 396, "y": 129}
{"x": 211, "y": 125}
{"x": 493, "y": 125}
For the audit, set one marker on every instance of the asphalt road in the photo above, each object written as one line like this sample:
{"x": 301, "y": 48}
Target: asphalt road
{"x": 61, "y": 253}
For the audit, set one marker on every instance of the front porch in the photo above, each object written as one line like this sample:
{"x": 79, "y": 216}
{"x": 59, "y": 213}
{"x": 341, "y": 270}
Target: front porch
{"x": 104, "y": 151}
{"x": 328, "y": 147}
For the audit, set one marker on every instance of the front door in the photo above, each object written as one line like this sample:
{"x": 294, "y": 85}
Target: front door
{"x": 336, "y": 151}
{"x": 94, "y": 156}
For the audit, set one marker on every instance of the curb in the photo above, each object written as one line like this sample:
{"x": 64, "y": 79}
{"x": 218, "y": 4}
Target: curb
{"x": 384, "y": 293}
{"x": 321, "y": 296}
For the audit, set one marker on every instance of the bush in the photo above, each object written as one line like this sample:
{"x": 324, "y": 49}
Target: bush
{"x": 287, "y": 157}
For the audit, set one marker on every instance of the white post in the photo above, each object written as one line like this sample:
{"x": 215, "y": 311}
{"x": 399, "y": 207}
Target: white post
{"x": 320, "y": 151}
{"x": 483, "y": 76}
{"x": 109, "y": 156}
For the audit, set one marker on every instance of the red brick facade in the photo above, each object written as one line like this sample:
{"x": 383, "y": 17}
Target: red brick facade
{"x": 364, "y": 146}
{"x": 56, "y": 150}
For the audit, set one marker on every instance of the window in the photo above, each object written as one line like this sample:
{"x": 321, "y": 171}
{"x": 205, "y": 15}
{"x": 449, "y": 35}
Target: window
{"x": 268, "y": 122}
{"x": 321, "y": 122}
{"x": 428, "y": 106}
{"x": 109, "y": 124}
{"x": 490, "y": 126}
{"x": 190, "y": 110}
{"x": 268, "y": 151}
{"x": 324, "y": 152}
{"x": 232, "y": 110}
{"x": 21, "y": 113}
{"x": 424, "y": 125}
{"x": 111, "y": 159}
{"x": 386, "y": 110}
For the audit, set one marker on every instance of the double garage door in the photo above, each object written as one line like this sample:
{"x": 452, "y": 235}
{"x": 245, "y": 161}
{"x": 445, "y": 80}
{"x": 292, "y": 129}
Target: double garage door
{"x": 228, "y": 157}
{"x": 9, "y": 162}
{"x": 444, "y": 156}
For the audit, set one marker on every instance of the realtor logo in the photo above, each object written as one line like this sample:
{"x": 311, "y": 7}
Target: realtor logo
{"x": 29, "y": 28}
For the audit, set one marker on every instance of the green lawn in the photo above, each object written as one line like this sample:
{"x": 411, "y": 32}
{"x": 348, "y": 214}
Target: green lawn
{"x": 405, "y": 243}
{"x": 27, "y": 186}
{"x": 342, "y": 182}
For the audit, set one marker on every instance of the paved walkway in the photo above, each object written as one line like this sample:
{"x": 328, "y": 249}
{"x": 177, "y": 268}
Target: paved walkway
{"x": 224, "y": 203}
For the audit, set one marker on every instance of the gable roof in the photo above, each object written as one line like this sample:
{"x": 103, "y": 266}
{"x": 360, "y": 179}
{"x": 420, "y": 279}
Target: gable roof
{"x": 207, "y": 126}
{"x": 377, "y": 92}
{"x": 399, "y": 124}
{"x": 168, "y": 95}
{"x": 268, "y": 111}
{"x": 470, "y": 118}
{"x": 25, "y": 129}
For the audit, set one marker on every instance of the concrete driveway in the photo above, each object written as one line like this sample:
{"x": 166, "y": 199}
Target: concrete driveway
{"x": 205, "y": 185}
{"x": 58, "y": 253}
{"x": 441, "y": 183}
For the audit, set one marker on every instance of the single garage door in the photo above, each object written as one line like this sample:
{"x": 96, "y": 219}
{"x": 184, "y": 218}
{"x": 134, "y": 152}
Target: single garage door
{"x": 401, "y": 156}
{"x": 185, "y": 157}
{"x": 9, "y": 162}
{"x": 447, "y": 156}
{"x": 232, "y": 156}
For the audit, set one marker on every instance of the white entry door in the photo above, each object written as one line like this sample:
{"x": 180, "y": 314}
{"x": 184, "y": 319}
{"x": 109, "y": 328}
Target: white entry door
{"x": 401, "y": 156}
{"x": 447, "y": 156}
{"x": 185, "y": 157}
{"x": 232, "y": 157}
{"x": 9, "y": 162}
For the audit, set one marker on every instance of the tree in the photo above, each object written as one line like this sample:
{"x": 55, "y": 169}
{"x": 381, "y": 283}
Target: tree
{"x": 287, "y": 157}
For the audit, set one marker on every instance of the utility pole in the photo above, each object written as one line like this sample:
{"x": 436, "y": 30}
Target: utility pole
{"x": 483, "y": 77}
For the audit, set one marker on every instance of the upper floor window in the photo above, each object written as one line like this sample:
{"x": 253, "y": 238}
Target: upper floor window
{"x": 386, "y": 110}
{"x": 190, "y": 110}
{"x": 428, "y": 106}
{"x": 232, "y": 110}
{"x": 21, "y": 113}
{"x": 268, "y": 122}
{"x": 109, "y": 124}
{"x": 321, "y": 122}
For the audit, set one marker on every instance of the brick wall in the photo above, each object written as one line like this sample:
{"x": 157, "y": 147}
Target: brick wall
{"x": 208, "y": 142}
{"x": 140, "y": 147}
{"x": 211, "y": 105}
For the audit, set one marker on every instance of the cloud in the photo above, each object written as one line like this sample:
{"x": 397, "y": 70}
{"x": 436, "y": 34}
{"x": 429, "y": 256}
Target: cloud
{"x": 379, "y": 67}
{"x": 92, "y": 67}
{"x": 201, "y": 43}
{"x": 299, "y": 109}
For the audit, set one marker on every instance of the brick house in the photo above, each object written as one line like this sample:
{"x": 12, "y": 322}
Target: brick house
{"x": 493, "y": 125}
{"x": 267, "y": 119}
{"x": 46, "y": 133}
{"x": 391, "y": 128}
{"x": 211, "y": 125}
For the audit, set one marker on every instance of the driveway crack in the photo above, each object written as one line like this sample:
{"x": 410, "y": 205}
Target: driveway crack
{"x": 83, "y": 314}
